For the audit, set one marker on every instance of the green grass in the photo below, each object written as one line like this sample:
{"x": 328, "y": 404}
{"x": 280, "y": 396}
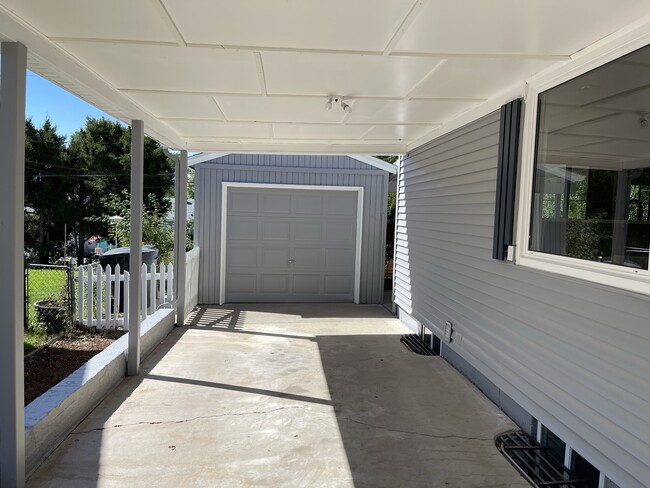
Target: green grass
{"x": 42, "y": 283}
{"x": 33, "y": 340}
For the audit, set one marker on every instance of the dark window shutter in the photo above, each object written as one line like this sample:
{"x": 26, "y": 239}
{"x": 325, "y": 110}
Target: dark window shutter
{"x": 506, "y": 178}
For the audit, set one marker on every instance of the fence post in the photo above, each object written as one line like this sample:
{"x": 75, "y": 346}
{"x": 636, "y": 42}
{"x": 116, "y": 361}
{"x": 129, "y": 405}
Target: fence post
{"x": 143, "y": 288}
{"x": 152, "y": 288}
{"x": 71, "y": 289}
{"x": 107, "y": 297}
{"x": 89, "y": 297}
{"x": 127, "y": 298}
{"x": 116, "y": 294}
{"x": 80, "y": 301}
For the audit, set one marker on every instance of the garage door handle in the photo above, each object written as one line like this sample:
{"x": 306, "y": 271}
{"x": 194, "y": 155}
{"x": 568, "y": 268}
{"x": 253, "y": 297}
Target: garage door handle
{"x": 291, "y": 261}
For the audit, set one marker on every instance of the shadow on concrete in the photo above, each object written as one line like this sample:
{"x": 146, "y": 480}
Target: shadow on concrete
{"x": 232, "y": 315}
{"x": 403, "y": 420}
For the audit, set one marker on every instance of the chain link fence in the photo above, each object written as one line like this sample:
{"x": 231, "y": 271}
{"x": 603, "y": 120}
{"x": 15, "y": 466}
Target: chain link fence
{"x": 49, "y": 297}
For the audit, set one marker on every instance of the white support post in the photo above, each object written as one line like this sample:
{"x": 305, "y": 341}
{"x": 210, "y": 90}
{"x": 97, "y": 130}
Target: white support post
{"x": 12, "y": 208}
{"x": 135, "y": 264}
{"x": 180, "y": 268}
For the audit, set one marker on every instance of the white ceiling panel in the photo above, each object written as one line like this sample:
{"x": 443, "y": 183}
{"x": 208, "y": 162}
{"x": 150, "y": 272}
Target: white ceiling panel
{"x": 617, "y": 147}
{"x": 279, "y": 109}
{"x": 602, "y": 83}
{"x": 169, "y": 68}
{"x": 346, "y": 75}
{"x": 322, "y": 132}
{"x": 623, "y": 126}
{"x": 410, "y": 111}
{"x": 558, "y": 117}
{"x": 178, "y": 105}
{"x": 517, "y": 26}
{"x": 557, "y": 141}
{"x": 478, "y": 77}
{"x": 96, "y": 19}
{"x": 311, "y": 24}
{"x": 399, "y": 132}
{"x": 203, "y": 128}
{"x": 637, "y": 101}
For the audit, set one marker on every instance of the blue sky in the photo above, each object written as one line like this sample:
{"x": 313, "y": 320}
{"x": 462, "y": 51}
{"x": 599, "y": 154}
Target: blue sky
{"x": 68, "y": 112}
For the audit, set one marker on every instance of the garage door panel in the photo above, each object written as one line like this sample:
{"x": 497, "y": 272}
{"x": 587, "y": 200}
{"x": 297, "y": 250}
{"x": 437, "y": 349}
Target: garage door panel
{"x": 242, "y": 283}
{"x": 308, "y": 204}
{"x": 341, "y": 204}
{"x": 274, "y": 283}
{"x": 241, "y": 201}
{"x": 276, "y": 203}
{"x": 242, "y": 230}
{"x": 244, "y": 257}
{"x": 338, "y": 284}
{"x": 274, "y": 230}
{"x": 339, "y": 257}
{"x": 307, "y": 283}
{"x": 298, "y": 245}
{"x": 308, "y": 231}
{"x": 275, "y": 256}
{"x": 308, "y": 257}
{"x": 340, "y": 231}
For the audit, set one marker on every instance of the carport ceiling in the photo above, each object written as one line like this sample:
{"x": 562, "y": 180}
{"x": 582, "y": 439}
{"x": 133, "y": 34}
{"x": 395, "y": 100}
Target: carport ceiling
{"x": 254, "y": 75}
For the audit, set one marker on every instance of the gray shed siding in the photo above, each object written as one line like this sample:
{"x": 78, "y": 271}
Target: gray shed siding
{"x": 576, "y": 355}
{"x": 297, "y": 170}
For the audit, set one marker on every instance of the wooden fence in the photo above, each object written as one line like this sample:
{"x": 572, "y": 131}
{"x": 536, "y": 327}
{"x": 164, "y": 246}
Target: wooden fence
{"x": 103, "y": 295}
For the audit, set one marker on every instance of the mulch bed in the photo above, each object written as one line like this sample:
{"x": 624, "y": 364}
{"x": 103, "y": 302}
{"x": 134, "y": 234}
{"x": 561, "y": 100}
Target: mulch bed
{"x": 54, "y": 362}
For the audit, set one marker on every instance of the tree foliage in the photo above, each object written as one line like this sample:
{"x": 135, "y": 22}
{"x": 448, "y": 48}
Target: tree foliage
{"x": 75, "y": 185}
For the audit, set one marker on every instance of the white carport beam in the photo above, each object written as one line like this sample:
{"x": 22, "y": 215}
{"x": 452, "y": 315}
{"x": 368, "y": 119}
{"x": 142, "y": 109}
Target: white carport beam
{"x": 180, "y": 271}
{"x": 12, "y": 215}
{"x": 135, "y": 264}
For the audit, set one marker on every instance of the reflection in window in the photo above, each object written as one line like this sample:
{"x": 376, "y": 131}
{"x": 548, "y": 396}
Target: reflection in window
{"x": 592, "y": 171}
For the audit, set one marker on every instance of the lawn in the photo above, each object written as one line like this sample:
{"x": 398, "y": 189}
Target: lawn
{"x": 41, "y": 284}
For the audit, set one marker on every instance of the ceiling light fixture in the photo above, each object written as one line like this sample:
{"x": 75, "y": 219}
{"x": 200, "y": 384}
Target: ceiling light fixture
{"x": 332, "y": 99}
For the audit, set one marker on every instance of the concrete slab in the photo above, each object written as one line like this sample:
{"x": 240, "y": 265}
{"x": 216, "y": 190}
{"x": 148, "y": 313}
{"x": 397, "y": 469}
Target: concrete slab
{"x": 287, "y": 395}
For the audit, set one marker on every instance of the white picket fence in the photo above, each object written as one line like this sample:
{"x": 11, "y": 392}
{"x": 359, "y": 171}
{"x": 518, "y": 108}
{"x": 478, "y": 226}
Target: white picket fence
{"x": 98, "y": 294}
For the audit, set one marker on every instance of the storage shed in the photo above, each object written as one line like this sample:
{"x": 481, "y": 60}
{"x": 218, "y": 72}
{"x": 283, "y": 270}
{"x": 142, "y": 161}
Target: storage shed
{"x": 290, "y": 228}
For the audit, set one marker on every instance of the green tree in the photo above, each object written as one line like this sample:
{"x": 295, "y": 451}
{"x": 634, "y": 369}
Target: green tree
{"x": 155, "y": 228}
{"x": 102, "y": 152}
{"x": 47, "y": 190}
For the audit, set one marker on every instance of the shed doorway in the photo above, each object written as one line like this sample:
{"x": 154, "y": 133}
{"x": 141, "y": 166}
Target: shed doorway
{"x": 291, "y": 243}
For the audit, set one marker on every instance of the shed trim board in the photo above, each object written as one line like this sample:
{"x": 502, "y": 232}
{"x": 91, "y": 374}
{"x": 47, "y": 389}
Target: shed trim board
{"x": 369, "y": 160}
{"x": 224, "y": 224}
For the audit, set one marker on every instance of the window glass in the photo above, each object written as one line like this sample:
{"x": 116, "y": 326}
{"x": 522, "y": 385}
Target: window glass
{"x": 591, "y": 197}
{"x": 585, "y": 471}
{"x": 554, "y": 445}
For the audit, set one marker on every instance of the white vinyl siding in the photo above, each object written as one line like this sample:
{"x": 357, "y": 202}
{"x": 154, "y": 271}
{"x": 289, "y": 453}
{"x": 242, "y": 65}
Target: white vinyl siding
{"x": 574, "y": 354}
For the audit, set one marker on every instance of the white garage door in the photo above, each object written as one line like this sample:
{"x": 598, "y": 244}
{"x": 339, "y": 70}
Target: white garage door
{"x": 290, "y": 245}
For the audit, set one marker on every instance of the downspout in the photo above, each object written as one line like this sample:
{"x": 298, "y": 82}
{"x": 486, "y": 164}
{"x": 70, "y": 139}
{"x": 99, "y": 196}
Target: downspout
{"x": 180, "y": 209}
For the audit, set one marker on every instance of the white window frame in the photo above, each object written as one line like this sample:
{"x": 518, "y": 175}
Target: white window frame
{"x": 609, "y": 49}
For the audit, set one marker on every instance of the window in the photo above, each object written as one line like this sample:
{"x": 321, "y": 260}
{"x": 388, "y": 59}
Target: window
{"x": 588, "y": 209}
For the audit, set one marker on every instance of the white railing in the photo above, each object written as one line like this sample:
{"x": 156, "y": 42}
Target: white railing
{"x": 99, "y": 293}
{"x": 191, "y": 280}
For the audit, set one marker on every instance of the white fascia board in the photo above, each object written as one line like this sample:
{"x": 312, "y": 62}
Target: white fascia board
{"x": 49, "y": 61}
{"x": 204, "y": 157}
{"x": 377, "y": 163}
{"x": 372, "y": 161}
{"x": 263, "y": 147}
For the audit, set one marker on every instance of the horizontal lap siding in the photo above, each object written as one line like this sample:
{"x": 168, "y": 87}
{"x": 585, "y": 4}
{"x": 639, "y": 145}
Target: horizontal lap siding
{"x": 575, "y": 355}
{"x": 301, "y": 170}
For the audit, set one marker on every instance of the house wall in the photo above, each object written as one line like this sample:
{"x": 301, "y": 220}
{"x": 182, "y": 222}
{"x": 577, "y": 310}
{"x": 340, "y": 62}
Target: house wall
{"x": 575, "y": 355}
{"x": 289, "y": 169}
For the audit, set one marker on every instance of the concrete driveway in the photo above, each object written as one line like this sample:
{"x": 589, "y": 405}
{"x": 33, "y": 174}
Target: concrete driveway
{"x": 287, "y": 396}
